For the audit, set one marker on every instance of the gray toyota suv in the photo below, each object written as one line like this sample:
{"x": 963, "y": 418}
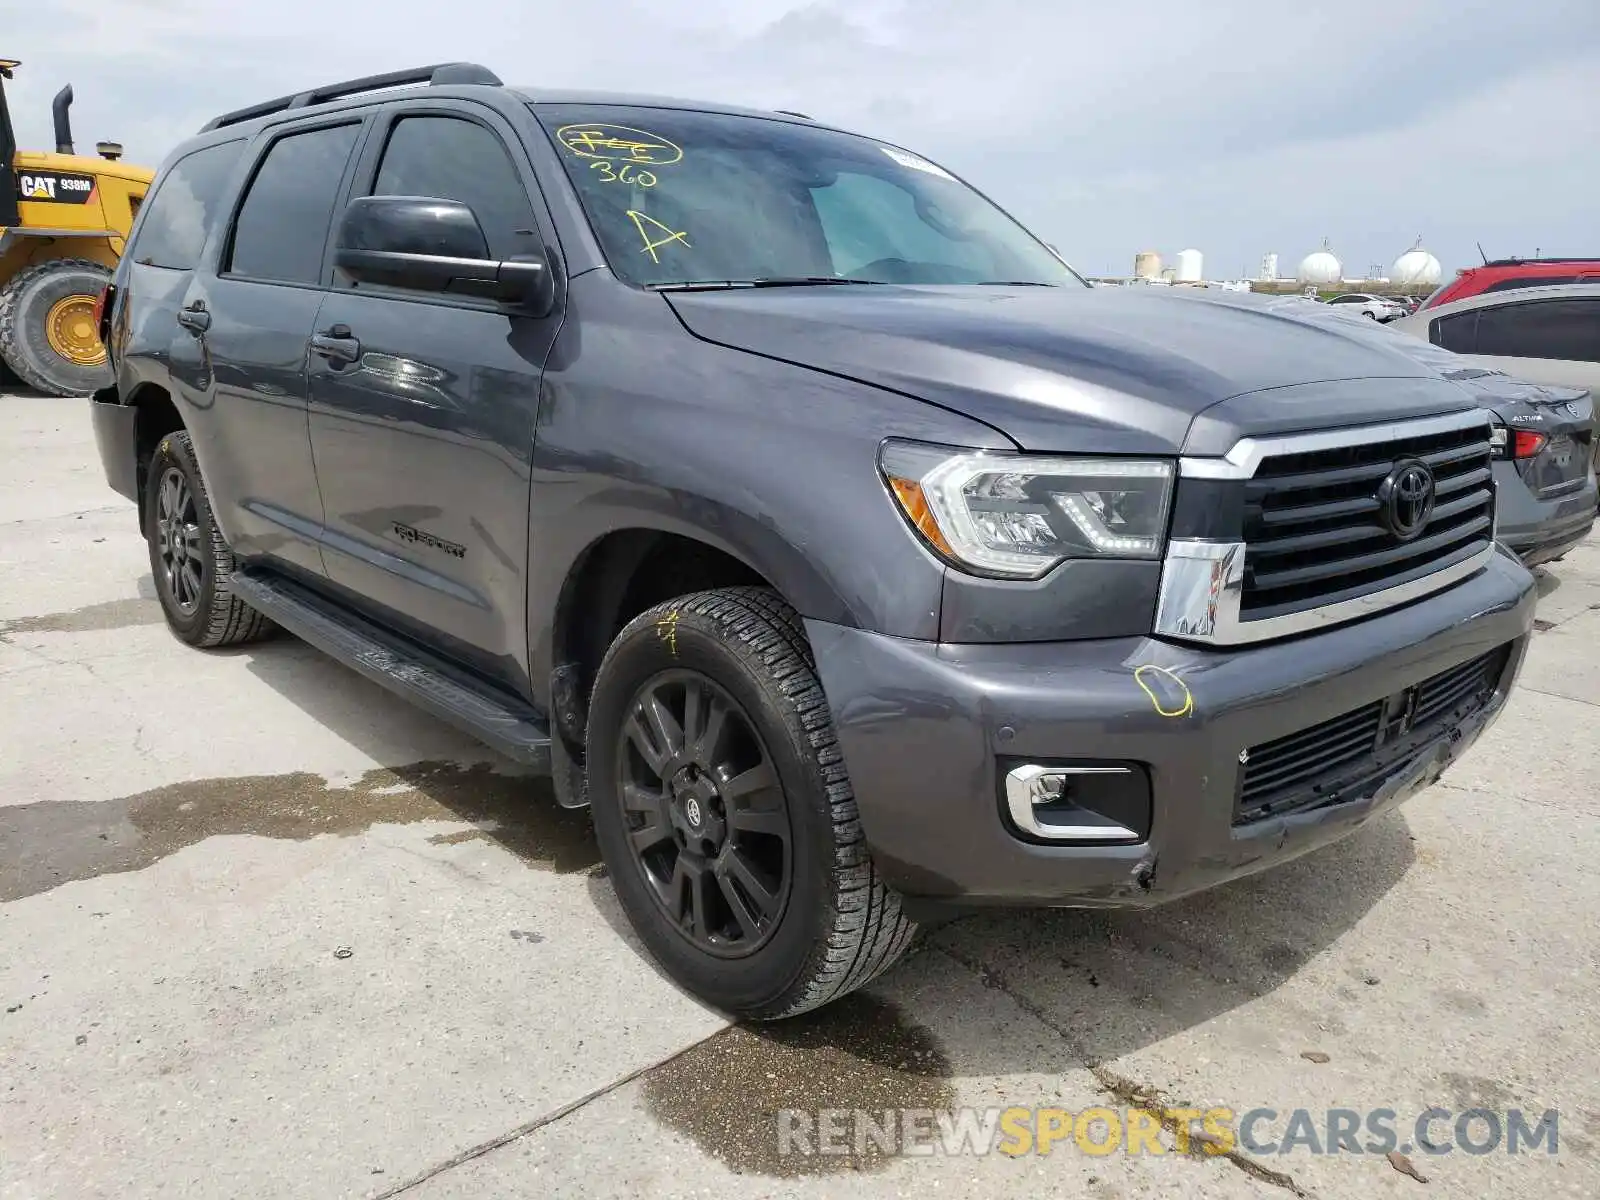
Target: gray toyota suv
{"x": 804, "y": 516}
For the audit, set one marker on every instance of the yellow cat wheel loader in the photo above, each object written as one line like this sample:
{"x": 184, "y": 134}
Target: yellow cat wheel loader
{"x": 64, "y": 219}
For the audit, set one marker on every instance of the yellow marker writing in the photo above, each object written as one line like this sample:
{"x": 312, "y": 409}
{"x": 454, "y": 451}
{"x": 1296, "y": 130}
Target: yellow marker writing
{"x": 667, "y": 631}
{"x": 1175, "y": 700}
{"x": 652, "y": 242}
{"x": 599, "y": 140}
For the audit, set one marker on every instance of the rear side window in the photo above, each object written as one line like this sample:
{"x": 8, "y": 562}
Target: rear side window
{"x": 1457, "y": 333}
{"x": 1556, "y": 329}
{"x": 1528, "y": 281}
{"x": 283, "y": 224}
{"x": 450, "y": 159}
{"x": 184, "y": 206}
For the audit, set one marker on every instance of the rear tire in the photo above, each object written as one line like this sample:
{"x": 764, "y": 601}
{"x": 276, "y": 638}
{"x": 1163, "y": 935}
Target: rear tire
{"x": 794, "y": 929}
{"x": 189, "y": 559}
{"x": 47, "y": 334}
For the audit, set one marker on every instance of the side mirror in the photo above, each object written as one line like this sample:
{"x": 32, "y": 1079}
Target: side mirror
{"x": 432, "y": 245}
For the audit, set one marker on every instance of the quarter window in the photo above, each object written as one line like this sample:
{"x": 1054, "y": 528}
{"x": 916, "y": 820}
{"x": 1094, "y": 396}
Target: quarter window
{"x": 1457, "y": 333}
{"x": 283, "y": 226}
{"x": 446, "y": 158}
{"x": 184, "y": 207}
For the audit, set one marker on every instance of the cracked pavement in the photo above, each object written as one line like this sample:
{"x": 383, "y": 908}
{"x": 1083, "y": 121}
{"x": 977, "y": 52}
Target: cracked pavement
{"x": 266, "y": 931}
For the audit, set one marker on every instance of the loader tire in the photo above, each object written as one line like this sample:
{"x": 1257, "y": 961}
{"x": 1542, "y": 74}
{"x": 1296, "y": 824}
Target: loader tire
{"x": 47, "y": 334}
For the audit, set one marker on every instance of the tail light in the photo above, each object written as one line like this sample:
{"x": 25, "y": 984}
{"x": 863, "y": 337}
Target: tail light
{"x": 102, "y": 312}
{"x": 1525, "y": 443}
{"x": 1517, "y": 443}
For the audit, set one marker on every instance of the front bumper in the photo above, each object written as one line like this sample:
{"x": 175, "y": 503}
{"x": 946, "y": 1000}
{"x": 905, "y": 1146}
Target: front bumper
{"x": 1540, "y": 530}
{"x": 928, "y": 730}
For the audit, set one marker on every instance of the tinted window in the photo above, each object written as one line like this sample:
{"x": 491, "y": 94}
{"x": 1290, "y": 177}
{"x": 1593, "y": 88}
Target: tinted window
{"x": 676, "y": 196}
{"x": 185, "y": 205}
{"x": 1457, "y": 333}
{"x": 450, "y": 159}
{"x": 1528, "y": 281}
{"x": 1562, "y": 329}
{"x": 283, "y": 225}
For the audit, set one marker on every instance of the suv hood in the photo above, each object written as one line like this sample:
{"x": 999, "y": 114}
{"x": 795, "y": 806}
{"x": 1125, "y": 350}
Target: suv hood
{"x": 1118, "y": 370}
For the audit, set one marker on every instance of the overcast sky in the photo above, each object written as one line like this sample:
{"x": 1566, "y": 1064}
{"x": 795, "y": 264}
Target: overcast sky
{"x": 1234, "y": 126}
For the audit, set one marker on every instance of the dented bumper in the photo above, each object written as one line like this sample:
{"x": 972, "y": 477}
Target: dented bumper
{"x": 930, "y": 732}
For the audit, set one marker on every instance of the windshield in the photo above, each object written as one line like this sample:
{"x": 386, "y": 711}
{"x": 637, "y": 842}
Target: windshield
{"x": 681, "y": 197}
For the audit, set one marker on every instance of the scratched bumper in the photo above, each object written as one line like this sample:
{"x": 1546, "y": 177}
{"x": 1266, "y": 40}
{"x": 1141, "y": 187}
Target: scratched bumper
{"x": 927, "y": 731}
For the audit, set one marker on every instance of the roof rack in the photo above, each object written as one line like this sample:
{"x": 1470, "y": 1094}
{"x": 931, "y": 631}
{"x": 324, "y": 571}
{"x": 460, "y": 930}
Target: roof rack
{"x": 789, "y": 112}
{"x": 437, "y": 75}
{"x": 1517, "y": 262}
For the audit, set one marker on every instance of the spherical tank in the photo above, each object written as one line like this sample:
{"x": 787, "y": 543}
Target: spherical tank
{"x": 1190, "y": 266}
{"x": 1147, "y": 265}
{"x": 1320, "y": 267}
{"x": 1417, "y": 268}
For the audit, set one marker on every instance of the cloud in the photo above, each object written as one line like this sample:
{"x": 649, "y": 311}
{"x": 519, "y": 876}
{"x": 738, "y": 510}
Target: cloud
{"x": 1106, "y": 127}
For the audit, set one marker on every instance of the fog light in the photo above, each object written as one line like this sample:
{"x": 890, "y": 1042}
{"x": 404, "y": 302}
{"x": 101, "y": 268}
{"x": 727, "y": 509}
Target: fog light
{"x": 1107, "y": 802}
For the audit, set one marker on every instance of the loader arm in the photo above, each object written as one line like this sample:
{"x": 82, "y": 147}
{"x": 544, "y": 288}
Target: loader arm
{"x": 9, "y": 216}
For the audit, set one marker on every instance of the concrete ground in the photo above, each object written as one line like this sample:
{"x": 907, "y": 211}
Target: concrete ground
{"x": 266, "y": 931}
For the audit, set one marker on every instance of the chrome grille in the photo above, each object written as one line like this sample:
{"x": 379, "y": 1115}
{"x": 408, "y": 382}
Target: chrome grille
{"x": 1313, "y": 524}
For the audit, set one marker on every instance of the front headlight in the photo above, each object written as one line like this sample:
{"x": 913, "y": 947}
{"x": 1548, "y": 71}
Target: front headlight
{"x": 1016, "y": 516}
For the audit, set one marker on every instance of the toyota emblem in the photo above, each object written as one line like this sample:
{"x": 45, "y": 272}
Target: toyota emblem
{"x": 1406, "y": 499}
{"x": 692, "y": 811}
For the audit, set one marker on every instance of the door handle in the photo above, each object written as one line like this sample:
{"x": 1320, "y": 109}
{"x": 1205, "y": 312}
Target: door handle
{"x": 337, "y": 345}
{"x": 195, "y": 318}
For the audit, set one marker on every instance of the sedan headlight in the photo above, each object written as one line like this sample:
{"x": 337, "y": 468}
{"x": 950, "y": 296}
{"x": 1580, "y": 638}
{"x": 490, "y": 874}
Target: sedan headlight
{"x": 1016, "y": 516}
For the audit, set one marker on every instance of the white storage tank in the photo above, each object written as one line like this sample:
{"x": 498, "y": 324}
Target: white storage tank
{"x": 1417, "y": 268}
{"x": 1320, "y": 267}
{"x": 1190, "y": 269}
{"x": 1147, "y": 265}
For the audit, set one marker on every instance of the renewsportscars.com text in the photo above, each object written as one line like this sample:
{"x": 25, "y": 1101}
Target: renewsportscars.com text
{"x": 1104, "y": 1131}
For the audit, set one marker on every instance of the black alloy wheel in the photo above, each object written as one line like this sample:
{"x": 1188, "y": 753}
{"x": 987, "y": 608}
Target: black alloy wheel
{"x": 724, "y": 812}
{"x": 189, "y": 558}
{"x": 178, "y": 545}
{"x": 706, "y": 818}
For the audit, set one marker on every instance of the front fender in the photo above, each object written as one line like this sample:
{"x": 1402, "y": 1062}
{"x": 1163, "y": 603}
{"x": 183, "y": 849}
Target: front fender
{"x": 644, "y": 426}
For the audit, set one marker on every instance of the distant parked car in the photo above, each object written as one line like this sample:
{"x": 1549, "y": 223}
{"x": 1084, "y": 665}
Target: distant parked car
{"x": 1544, "y": 456}
{"x": 1547, "y": 335}
{"x": 1510, "y": 274}
{"x": 1544, "y": 438}
{"x": 1544, "y": 448}
{"x": 1379, "y": 308}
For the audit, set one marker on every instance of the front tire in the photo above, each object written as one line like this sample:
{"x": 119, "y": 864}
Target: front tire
{"x": 724, "y": 813}
{"x": 189, "y": 559}
{"x": 47, "y": 334}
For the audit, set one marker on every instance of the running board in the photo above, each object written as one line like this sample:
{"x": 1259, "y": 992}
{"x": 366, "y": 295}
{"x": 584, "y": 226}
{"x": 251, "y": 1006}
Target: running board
{"x": 498, "y": 719}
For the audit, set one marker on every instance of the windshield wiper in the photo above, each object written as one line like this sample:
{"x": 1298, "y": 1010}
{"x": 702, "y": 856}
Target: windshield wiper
{"x": 1017, "y": 283}
{"x": 707, "y": 285}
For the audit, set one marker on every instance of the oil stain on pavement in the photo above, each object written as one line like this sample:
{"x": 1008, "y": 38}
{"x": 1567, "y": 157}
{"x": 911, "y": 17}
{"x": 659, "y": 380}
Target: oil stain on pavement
{"x": 113, "y": 614}
{"x": 857, "y": 1053}
{"x": 47, "y": 844}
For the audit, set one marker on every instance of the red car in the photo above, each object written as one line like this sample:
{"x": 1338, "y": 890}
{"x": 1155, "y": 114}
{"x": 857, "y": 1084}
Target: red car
{"x": 1505, "y": 273}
